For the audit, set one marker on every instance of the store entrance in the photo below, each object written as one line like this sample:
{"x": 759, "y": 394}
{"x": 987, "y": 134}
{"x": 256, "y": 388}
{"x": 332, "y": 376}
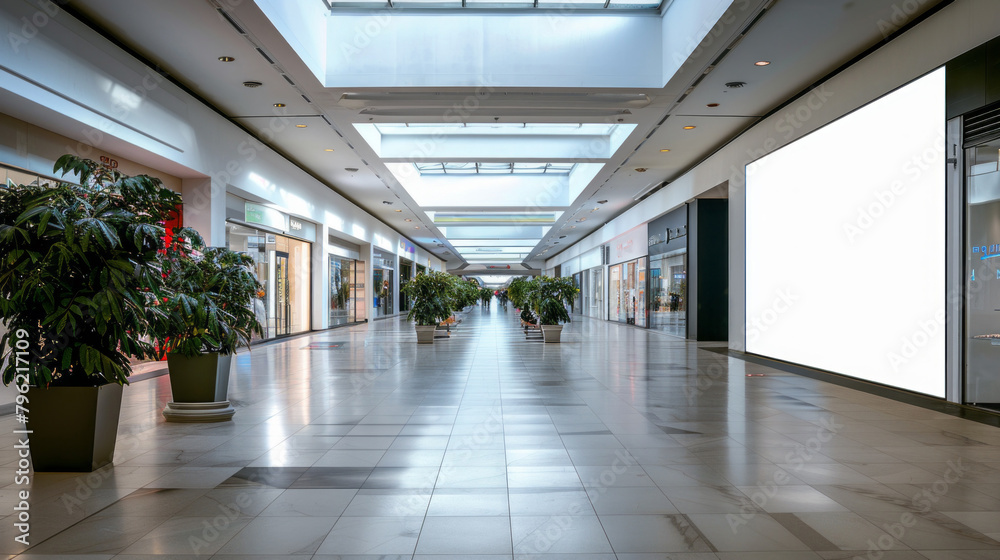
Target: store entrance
{"x": 282, "y": 299}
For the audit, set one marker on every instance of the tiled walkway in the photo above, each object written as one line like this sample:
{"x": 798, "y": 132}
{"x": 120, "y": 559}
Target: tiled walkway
{"x": 618, "y": 443}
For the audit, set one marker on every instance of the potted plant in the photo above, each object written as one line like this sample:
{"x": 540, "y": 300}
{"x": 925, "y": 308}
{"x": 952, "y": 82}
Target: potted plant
{"x": 79, "y": 272}
{"x": 548, "y": 299}
{"x": 209, "y": 312}
{"x": 432, "y": 299}
{"x": 517, "y": 292}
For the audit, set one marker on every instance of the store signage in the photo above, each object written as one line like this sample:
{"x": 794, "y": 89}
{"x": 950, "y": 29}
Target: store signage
{"x": 265, "y": 215}
{"x": 109, "y": 162}
{"x": 294, "y": 224}
{"x": 987, "y": 251}
{"x": 666, "y": 236}
{"x": 406, "y": 248}
{"x": 496, "y": 266}
{"x": 629, "y": 246}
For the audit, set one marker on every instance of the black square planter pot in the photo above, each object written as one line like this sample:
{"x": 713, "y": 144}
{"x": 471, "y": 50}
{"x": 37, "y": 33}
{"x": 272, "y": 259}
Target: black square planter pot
{"x": 74, "y": 428}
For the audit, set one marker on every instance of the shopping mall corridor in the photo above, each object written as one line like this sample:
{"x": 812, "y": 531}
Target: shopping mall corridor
{"x": 619, "y": 443}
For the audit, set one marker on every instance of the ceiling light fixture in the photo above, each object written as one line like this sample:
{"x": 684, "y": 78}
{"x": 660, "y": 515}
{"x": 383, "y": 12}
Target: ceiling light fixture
{"x": 762, "y": 63}
{"x": 328, "y": 149}
{"x": 398, "y": 210}
{"x": 582, "y": 220}
{"x": 351, "y": 169}
{"x": 301, "y": 125}
{"x": 735, "y": 85}
{"x": 712, "y": 105}
{"x": 407, "y": 220}
{"x": 562, "y": 237}
{"x": 252, "y": 84}
{"x": 664, "y": 150}
{"x": 416, "y": 227}
{"x": 690, "y": 127}
{"x": 226, "y": 59}
{"x": 387, "y": 202}
{"x": 602, "y": 201}
{"x": 279, "y": 105}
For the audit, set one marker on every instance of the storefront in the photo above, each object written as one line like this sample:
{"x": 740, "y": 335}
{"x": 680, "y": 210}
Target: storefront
{"x": 407, "y": 253}
{"x": 281, "y": 247}
{"x": 383, "y": 280}
{"x": 347, "y": 275}
{"x": 627, "y": 278}
{"x": 667, "y": 247}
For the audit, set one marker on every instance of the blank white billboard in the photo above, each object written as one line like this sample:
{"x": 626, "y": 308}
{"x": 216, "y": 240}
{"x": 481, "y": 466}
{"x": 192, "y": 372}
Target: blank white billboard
{"x": 845, "y": 244}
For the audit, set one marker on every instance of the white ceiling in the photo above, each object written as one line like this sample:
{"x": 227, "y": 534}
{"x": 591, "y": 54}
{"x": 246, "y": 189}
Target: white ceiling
{"x": 803, "y": 39}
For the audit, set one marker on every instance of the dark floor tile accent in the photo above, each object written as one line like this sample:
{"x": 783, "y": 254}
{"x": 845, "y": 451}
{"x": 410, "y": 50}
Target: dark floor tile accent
{"x": 669, "y": 430}
{"x": 593, "y": 433}
{"x": 332, "y": 478}
{"x": 802, "y": 531}
{"x": 916, "y": 399}
{"x": 274, "y": 477}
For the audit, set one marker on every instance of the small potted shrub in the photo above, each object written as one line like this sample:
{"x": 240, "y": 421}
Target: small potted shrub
{"x": 209, "y": 312}
{"x": 432, "y": 300}
{"x": 79, "y": 272}
{"x": 548, "y": 299}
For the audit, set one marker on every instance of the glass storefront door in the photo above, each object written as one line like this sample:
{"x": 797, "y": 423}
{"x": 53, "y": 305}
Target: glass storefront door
{"x": 593, "y": 293}
{"x": 342, "y": 291}
{"x": 668, "y": 294}
{"x": 982, "y": 313}
{"x": 616, "y": 307}
{"x": 383, "y": 278}
{"x": 282, "y": 297}
{"x": 283, "y": 265}
{"x": 405, "y": 273}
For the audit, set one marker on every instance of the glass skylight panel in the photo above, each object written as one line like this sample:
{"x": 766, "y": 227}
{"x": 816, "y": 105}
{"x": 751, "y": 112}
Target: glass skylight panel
{"x": 472, "y": 168}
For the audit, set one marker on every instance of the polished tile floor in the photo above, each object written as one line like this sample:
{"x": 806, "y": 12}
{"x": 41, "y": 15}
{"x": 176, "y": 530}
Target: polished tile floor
{"x": 617, "y": 444}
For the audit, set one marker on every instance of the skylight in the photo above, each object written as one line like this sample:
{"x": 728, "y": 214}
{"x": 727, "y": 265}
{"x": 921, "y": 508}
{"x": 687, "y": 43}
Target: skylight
{"x": 561, "y": 5}
{"x": 477, "y": 168}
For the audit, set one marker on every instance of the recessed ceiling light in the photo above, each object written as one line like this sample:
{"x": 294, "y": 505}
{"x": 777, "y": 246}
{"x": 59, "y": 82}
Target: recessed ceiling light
{"x": 328, "y": 149}
{"x": 252, "y": 84}
{"x": 351, "y": 169}
{"x": 596, "y": 209}
{"x": 279, "y": 105}
{"x": 640, "y": 169}
{"x": 386, "y": 202}
{"x": 226, "y": 59}
{"x": 407, "y": 220}
{"x": 664, "y": 150}
{"x": 562, "y": 237}
{"x": 416, "y": 227}
{"x": 713, "y": 105}
{"x": 602, "y": 201}
{"x": 398, "y": 210}
{"x": 762, "y": 63}
{"x": 690, "y": 127}
{"x": 582, "y": 220}
{"x": 572, "y": 227}
{"x": 301, "y": 125}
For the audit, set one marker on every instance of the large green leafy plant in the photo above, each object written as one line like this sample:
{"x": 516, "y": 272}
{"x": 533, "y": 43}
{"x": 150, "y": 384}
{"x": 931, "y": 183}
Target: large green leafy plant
{"x": 518, "y": 291}
{"x": 466, "y": 292}
{"x": 432, "y": 294}
{"x": 79, "y": 272}
{"x": 549, "y": 297}
{"x": 211, "y": 293}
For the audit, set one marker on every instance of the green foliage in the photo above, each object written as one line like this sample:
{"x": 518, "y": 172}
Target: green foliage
{"x": 433, "y": 297}
{"x": 548, "y": 298}
{"x": 485, "y": 294}
{"x": 210, "y": 298}
{"x": 78, "y": 274}
{"x": 466, "y": 292}
{"x": 517, "y": 291}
